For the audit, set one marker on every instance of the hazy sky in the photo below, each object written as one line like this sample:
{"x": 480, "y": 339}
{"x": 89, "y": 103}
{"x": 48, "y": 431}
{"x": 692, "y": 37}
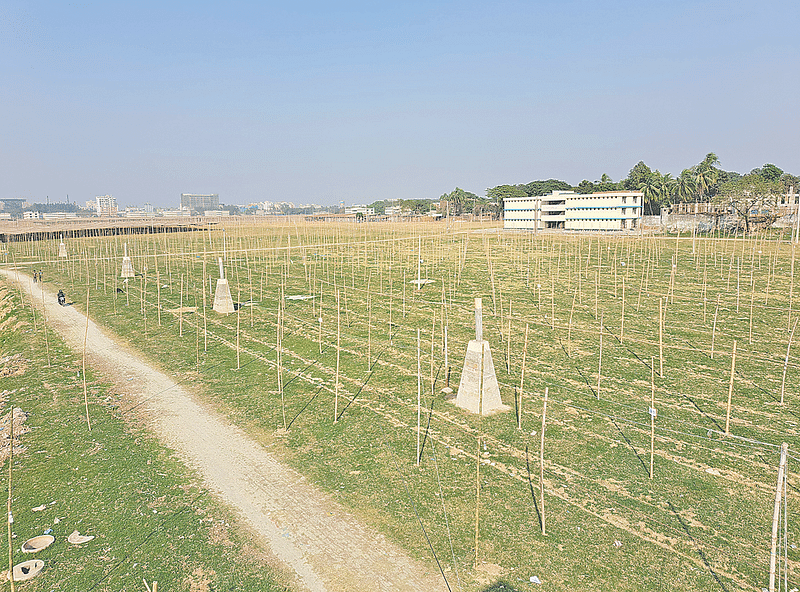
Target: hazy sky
{"x": 316, "y": 102}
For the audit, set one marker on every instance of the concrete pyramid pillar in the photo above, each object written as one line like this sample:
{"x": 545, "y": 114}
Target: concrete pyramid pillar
{"x": 127, "y": 266}
{"x": 62, "y": 248}
{"x": 223, "y": 302}
{"x": 478, "y": 391}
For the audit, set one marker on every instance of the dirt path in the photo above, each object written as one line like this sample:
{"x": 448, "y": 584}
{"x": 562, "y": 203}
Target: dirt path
{"x": 325, "y": 546}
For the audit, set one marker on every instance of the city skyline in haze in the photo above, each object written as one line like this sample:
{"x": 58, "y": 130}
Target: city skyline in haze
{"x": 318, "y": 103}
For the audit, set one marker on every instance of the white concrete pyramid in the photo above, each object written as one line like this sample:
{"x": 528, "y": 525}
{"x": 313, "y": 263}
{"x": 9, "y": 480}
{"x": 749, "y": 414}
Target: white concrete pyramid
{"x": 127, "y": 266}
{"x": 223, "y": 302}
{"x": 478, "y": 391}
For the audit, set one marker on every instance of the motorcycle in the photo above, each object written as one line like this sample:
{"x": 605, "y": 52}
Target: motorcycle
{"x": 62, "y": 300}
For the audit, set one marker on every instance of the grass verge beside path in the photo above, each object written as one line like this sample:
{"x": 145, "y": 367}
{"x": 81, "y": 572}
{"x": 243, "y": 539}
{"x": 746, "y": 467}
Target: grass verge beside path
{"x": 149, "y": 517}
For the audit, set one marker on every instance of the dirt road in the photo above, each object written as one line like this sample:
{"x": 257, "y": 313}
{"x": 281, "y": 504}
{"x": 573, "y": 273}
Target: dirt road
{"x": 304, "y": 528}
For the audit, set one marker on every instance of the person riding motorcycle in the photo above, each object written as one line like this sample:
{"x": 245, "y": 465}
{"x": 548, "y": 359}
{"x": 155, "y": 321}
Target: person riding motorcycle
{"x": 62, "y": 300}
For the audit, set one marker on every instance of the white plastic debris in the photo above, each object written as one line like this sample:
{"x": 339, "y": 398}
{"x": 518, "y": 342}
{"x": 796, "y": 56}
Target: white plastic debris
{"x": 535, "y": 580}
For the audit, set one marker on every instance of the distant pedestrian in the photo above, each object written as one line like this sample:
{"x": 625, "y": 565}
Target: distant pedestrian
{"x": 35, "y": 275}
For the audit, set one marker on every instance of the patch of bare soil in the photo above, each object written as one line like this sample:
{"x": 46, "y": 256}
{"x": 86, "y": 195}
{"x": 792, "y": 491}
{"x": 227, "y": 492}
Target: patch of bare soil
{"x": 326, "y": 547}
{"x": 13, "y": 365}
{"x": 20, "y": 429}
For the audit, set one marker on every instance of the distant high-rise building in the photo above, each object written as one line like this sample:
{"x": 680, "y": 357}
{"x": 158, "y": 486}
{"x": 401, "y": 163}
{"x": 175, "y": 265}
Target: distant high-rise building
{"x": 106, "y": 205}
{"x": 196, "y": 202}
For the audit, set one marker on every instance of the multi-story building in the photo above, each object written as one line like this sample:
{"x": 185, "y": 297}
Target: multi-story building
{"x": 105, "y": 205}
{"x": 197, "y": 202}
{"x": 610, "y": 210}
{"x": 366, "y": 211}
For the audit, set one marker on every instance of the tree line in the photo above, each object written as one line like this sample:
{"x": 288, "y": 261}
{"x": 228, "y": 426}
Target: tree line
{"x": 751, "y": 195}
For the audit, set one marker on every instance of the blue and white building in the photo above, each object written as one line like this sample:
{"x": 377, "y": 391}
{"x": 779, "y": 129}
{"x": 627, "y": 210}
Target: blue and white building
{"x": 567, "y": 210}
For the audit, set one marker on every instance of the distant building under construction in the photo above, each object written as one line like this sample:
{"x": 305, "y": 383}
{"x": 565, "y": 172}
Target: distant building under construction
{"x": 197, "y": 202}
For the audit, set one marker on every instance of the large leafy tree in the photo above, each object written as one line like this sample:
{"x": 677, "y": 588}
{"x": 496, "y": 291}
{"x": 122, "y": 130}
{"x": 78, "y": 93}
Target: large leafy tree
{"x": 417, "y": 206}
{"x": 769, "y": 172}
{"x": 460, "y": 200}
{"x": 753, "y": 198}
{"x": 537, "y": 188}
{"x": 640, "y": 173}
{"x": 504, "y": 191}
{"x": 604, "y": 184}
{"x": 497, "y": 196}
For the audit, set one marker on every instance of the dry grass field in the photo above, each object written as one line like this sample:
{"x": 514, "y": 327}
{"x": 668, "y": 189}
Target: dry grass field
{"x": 320, "y": 364}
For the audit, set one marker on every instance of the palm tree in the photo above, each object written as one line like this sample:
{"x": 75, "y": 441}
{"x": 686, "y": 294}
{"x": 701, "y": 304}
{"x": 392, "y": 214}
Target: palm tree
{"x": 667, "y": 187}
{"x": 706, "y": 174}
{"x": 650, "y": 189}
{"x": 685, "y": 187}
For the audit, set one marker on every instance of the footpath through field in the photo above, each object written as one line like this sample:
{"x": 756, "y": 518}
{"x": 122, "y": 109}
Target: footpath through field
{"x": 303, "y": 527}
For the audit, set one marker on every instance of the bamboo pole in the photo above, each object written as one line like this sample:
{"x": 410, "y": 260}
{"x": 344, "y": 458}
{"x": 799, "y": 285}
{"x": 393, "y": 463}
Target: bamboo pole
{"x": 714, "y": 329}
{"x": 522, "y": 379}
{"x": 776, "y": 515}
{"x": 477, "y": 497}
{"x": 508, "y": 350}
{"x": 180, "y": 311}
{"x": 622, "y": 319}
{"x": 786, "y": 361}
{"x": 652, "y": 412}
{"x": 338, "y": 353}
{"x": 661, "y": 337}
{"x": 433, "y": 341}
{"x": 752, "y": 299}
{"x": 369, "y": 322}
{"x": 541, "y": 459}
{"x": 10, "y": 515}
{"x": 44, "y": 312}
{"x": 419, "y": 394}
{"x": 319, "y": 319}
{"x": 730, "y": 391}
{"x": 83, "y": 371}
{"x": 600, "y": 357}
{"x": 238, "y": 323}
{"x": 279, "y": 360}
{"x": 158, "y": 291}
{"x": 569, "y": 326}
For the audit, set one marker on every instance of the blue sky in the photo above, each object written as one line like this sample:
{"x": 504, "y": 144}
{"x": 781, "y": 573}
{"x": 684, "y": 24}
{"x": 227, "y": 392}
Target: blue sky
{"x": 317, "y": 102}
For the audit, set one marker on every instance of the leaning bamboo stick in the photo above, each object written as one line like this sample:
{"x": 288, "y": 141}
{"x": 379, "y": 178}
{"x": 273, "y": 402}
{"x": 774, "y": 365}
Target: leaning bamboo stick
{"x": 622, "y": 318}
{"x": 661, "y": 337}
{"x": 522, "y": 379}
{"x": 541, "y": 459}
{"x": 786, "y": 361}
{"x": 600, "y": 358}
{"x": 477, "y": 497}
{"x": 730, "y": 391}
{"x": 419, "y": 394}
{"x": 652, "y": 413}
{"x": 10, "y": 515}
{"x": 714, "y": 329}
{"x": 338, "y": 353}
{"x": 83, "y": 371}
